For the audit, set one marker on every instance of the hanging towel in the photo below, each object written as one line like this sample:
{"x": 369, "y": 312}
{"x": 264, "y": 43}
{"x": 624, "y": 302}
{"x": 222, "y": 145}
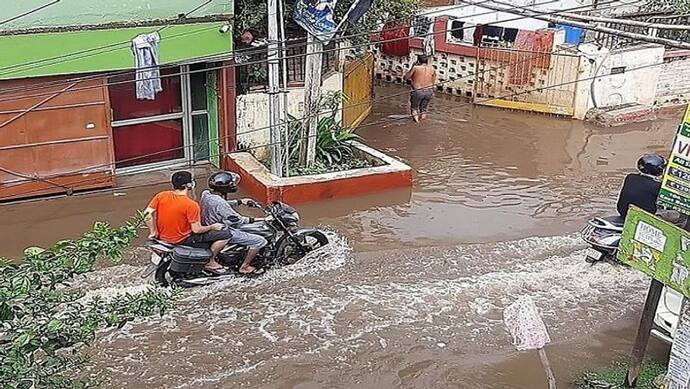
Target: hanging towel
{"x": 395, "y": 44}
{"x": 533, "y": 49}
{"x": 148, "y": 75}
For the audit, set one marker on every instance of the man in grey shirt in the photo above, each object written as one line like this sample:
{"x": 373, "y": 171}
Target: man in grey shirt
{"x": 215, "y": 206}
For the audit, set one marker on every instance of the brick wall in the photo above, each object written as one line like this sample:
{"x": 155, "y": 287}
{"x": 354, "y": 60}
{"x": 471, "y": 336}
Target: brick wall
{"x": 456, "y": 72}
{"x": 673, "y": 87}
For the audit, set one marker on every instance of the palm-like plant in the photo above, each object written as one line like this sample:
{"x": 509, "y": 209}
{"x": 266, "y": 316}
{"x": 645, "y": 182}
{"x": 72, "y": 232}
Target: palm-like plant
{"x": 333, "y": 143}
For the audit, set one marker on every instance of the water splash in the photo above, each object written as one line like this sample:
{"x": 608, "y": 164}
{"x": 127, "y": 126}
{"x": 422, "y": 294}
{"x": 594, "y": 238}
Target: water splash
{"x": 312, "y": 311}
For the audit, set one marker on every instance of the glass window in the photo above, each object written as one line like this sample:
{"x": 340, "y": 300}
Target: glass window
{"x": 457, "y": 30}
{"x": 200, "y": 137}
{"x": 147, "y": 143}
{"x": 124, "y": 102}
{"x": 198, "y": 82}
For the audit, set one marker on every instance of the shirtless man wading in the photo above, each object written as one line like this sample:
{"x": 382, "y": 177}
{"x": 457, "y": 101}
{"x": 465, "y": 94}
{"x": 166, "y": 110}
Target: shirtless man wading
{"x": 422, "y": 76}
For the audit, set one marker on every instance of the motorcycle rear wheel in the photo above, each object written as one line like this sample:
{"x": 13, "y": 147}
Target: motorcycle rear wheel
{"x": 163, "y": 276}
{"x": 288, "y": 253}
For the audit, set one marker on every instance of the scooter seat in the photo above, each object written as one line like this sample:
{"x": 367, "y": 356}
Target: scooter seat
{"x": 612, "y": 223}
{"x": 616, "y": 220}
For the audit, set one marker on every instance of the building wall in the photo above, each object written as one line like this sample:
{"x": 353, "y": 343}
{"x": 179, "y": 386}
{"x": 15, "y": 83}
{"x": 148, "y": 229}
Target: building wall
{"x": 460, "y": 66}
{"x": 54, "y": 141}
{"x": 455, "y": 63}
{"x": 252, "y": 114}
{"x": 673, "y": 87}
{"x": 630, "y": 86}
{"x": 456, "y": 72}
{"x": 473, "y": 15}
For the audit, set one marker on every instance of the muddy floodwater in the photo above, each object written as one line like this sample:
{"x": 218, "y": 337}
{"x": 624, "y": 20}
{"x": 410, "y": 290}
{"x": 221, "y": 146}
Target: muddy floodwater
{"x": 411, "y": 292}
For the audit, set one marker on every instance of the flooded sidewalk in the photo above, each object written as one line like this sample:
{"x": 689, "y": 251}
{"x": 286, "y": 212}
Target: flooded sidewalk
{"x": 412, "y": 292}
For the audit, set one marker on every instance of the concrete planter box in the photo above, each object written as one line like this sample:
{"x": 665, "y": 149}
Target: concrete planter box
{"x": 257, "y": 180}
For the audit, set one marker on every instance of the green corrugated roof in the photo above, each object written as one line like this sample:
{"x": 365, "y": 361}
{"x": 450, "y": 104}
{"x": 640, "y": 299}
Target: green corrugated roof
{"x": 75, "y": 13}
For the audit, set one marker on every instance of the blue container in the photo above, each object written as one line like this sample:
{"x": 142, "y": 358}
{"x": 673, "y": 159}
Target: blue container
{"x": 573, "y": 35}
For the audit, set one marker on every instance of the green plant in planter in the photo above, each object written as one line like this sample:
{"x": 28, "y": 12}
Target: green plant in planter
{"x": 333, "y": 143}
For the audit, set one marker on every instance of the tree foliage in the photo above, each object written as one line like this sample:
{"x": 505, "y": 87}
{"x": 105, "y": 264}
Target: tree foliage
{"x": 44, "y": 321}
{"x": 675, "y": 6}
{"x": 251, "y": 14}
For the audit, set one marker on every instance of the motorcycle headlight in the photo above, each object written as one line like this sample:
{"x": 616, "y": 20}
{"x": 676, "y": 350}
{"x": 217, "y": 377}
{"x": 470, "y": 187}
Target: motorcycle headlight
{"x": 296, "y": 216}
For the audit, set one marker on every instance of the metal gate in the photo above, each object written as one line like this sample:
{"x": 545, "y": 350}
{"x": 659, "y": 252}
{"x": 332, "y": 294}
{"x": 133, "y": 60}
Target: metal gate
{"x": 527, "y": 79}
{"x": 358, "y": 87}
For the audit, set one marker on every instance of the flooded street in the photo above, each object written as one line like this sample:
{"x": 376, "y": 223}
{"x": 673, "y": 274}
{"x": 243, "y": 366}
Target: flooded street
{"x": 411, "y": 292}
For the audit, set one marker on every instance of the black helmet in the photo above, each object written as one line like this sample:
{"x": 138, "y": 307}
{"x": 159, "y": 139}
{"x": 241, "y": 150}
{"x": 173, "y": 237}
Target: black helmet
{"x": 651, "y": 164}
{"x": 224, "y": 182}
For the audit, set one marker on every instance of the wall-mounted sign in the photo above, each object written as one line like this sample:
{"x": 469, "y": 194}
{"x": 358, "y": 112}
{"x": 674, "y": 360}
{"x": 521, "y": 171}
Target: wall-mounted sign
{"x": 675, "y": 187}
{"x": 657, "y": 248}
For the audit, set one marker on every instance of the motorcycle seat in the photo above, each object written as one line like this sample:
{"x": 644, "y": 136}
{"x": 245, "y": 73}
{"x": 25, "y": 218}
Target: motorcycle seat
{"x": 160, "y": 245}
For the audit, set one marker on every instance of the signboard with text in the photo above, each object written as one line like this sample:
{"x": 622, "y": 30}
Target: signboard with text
{"x": 656, "y": 248}
{"x": 675, "y": 187}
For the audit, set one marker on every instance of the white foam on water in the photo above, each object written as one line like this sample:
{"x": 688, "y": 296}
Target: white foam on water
{"x": 326, "y": 259}
{"x": 124, "y": 278}
{"x": 109, "y": 293}
{"x": 303, "y": 311}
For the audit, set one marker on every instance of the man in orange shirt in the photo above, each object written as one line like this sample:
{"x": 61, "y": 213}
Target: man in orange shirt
{"x": 173, "y": 217}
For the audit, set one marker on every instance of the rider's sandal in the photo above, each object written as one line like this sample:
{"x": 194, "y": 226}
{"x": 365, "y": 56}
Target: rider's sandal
{"x": 255, "y": 273}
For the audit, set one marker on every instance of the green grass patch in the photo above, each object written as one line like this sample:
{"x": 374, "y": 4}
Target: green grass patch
{"x": 613, "y": 376}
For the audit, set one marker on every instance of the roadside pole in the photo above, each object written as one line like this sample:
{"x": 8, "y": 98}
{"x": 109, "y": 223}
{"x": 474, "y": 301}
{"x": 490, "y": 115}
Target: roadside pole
{"x": 661, "y": 250}
{"x": 274, "y": 105}
{"x": 643, "y": 332}
{"x": 312, "y": 98}
{"x": 678, "y": 376}
{"x": 525, "y": 325}
{"x": 286, "y": 120}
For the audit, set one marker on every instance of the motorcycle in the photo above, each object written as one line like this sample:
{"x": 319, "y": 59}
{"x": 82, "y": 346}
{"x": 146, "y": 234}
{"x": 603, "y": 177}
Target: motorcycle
{"x": 603, "y": 235}
{"x": 287, "y": 243}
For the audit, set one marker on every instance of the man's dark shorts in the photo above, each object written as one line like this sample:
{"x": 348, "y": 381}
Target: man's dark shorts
{"x": 205, "y": 240}
{"x": 420, "y": 98}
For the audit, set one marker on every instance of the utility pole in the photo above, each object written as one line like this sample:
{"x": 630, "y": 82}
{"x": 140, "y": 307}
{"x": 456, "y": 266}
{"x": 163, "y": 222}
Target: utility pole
{"x": 286, "y": 105}
{"x": 643, "y": 332}
{"x": 312, "y": 98}
{"x": 274, "y": 105}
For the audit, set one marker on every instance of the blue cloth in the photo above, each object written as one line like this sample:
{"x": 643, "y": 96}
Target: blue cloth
{"x": 316, "y": 17}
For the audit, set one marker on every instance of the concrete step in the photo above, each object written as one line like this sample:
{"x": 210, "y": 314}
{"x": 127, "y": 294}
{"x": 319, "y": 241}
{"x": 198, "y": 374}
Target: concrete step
{"x": 620, "y": 115}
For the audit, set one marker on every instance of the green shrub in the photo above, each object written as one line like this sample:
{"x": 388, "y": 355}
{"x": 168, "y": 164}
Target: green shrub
{"x": 44, "y": 322}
